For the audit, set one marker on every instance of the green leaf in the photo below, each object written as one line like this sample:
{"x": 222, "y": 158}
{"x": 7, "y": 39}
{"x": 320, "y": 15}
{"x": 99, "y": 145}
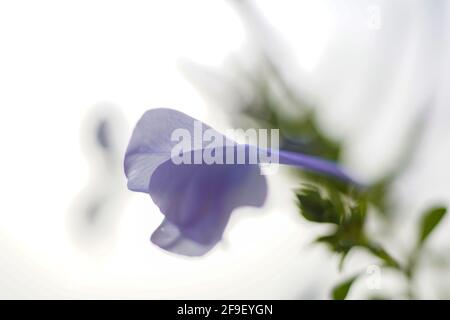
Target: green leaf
{"x": 381, "y": 253}
{"x": 430, "y": 220}
{"x": 337, "y": 242}
{"x": 341, "y": 290}
{"x": 315, "y": 208}
{"x": 342, "y": 259}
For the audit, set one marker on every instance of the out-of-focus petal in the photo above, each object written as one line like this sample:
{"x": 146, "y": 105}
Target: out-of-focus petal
{"x": 197, "y": 201}
{"x": 150, "y": 144}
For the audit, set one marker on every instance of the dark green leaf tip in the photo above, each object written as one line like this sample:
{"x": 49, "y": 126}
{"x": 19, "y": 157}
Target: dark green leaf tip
{"x": 341, "y": 290}
{"x": 430, "y": 220}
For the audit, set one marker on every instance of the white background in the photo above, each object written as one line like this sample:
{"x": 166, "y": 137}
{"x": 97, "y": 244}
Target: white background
{"x": 61, "y": 59}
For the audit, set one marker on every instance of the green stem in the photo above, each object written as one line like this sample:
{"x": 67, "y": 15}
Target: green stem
{"x": 408, "y": 271}
{"x": 383, "y": 255}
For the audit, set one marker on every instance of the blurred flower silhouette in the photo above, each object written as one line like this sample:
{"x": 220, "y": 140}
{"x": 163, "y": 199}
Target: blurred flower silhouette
{"x": 197, "y": 200}
{"x": 93, "y": 215}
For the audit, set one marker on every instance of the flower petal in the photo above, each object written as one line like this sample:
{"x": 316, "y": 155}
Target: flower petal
{"x": 197, "y": 201}
{"x": 151, "y": 145}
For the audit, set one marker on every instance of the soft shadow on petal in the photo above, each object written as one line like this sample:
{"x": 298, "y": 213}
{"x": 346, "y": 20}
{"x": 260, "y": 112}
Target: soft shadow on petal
{"x": 168, "y": 237}
{"x": 197, "y": 201}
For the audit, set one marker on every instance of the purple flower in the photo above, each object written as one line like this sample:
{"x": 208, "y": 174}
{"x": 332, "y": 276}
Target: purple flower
{"x": 198, "y": 199}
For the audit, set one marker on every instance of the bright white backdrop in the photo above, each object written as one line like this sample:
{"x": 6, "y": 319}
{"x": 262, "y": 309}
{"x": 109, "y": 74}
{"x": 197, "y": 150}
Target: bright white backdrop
{"x": 58, "y": 59}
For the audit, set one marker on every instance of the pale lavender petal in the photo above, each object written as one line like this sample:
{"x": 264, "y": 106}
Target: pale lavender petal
{"x": 197, "y": 199}
{"x": 150, "y": 144}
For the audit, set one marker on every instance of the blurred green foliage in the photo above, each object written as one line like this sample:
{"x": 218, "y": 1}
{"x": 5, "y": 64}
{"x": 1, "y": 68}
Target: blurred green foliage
{"x": 431, "y": 218}
{"x": 322, "y": 199}
{"x": 341, "y": 290}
